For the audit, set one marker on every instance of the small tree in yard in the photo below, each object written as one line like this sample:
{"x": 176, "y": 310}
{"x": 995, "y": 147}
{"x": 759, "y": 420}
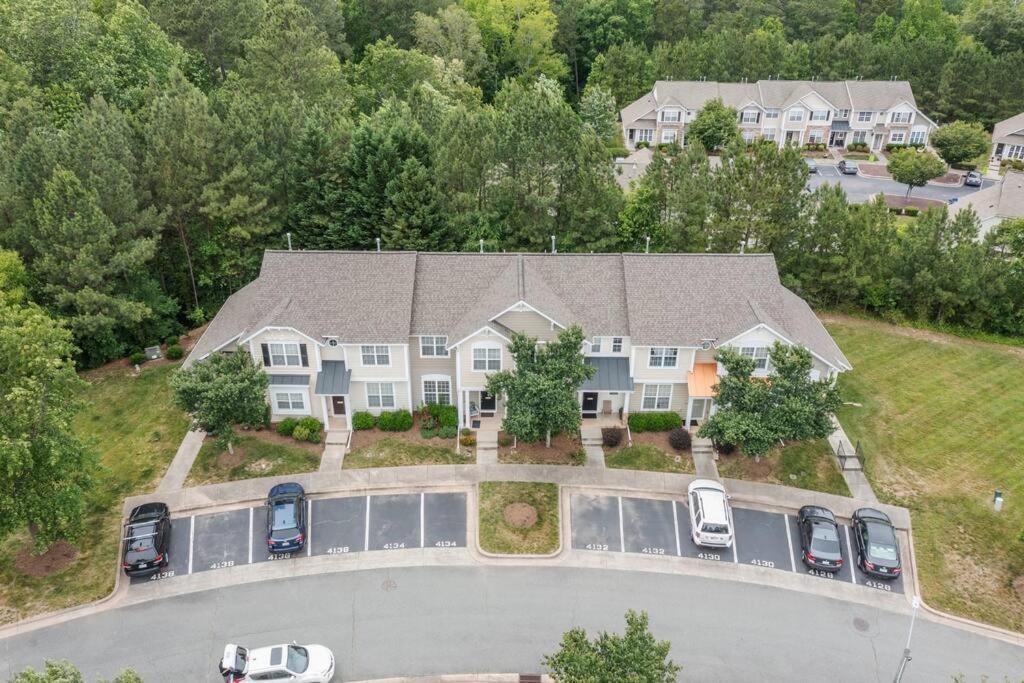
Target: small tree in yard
{"x": 540, "y": 394}
{"x": 610, "y": 658}
{"x": 755, "y": 414}
{"x": 959, "y": 141}
{"x": 221, "y": 391}
{"x": 914, "y": 168}
{"x": 714, "y": 126}
{"x": 65, "y": 672}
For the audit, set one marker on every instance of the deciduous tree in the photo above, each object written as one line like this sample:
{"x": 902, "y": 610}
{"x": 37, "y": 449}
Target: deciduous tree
{"x": 714, "y": 127}
{"x": 65, "y": 672}
{"x": 958, "y": 141}
{"x": 914, "y": 168}
{"x": 221, "y": 391}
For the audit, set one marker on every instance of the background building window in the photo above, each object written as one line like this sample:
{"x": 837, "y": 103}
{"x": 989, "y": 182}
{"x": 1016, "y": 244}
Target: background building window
{"x": 376, "y": 355}
{"x": 437, "y": 391}
{"x": 657, "y": 396}
{"x": 434, "y": 347}
{"x": 380, "y": 394}
{"x": 663, "y": 357}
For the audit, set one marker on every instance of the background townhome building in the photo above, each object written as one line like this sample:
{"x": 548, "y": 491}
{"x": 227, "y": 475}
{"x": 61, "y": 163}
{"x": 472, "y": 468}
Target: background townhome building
{"x": 835, "y": 113}
{"x": 1008, "y": 138}
{"x": 339, "y": 332}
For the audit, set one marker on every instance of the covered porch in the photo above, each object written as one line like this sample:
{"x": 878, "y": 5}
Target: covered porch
{"x": 480, "y": 410}
{"x": 332, "y": 386}
{"x": 604, "y": 398}
{"x": 701, "y": 403}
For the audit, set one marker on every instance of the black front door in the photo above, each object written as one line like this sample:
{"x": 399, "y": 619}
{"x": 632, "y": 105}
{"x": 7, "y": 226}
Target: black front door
{"x": 338, "y": 403}
{"x": 589, "y": 404}
{"x": 487, "y": 401}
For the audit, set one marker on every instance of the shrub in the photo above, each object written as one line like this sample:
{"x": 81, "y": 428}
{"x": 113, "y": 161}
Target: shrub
{"x": 911, "y": 211}
{"x": 428, "y": 423}
{"x": 173, "y": 340}
{"x": 363, "y": 420}
{"x": 137, "y": 358}
{"x": 311, "y": 423}
{"x": 466, "y": 431}
{"x": 174, "y": 352}
{"x": 725, "y": 448}
{"x": 654, "y": 422}
{"x": 643, "y": 145}
{"x": 287, "y": 426}
{"x": 446, "y": 416}
{"x": 428, "y": 433}
{"x": 467, "y": 440}
{"x": 504, "y": 440}
{"x": 301, "y": 433}
{"x": 679, "y": 439}
{"x": 611, "y": 436}
{"x": 448, "y": 432}
{"x": 395, "y": 421}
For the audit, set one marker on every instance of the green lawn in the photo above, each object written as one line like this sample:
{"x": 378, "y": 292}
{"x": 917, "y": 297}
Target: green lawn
{"x": 497, "y": 535}
{"x": 647, "y": 457}
{"x": 253, "y": 457}
{"x": 130, "y": 423}
{"x": 397, "y": 452}
{"x": 803, "y": 464}
{"x": 941, "y": 423}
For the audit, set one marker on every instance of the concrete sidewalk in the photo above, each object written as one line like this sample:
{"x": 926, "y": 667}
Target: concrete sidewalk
{"x": 859, "y": 485}
{"x": 177, "y": 471}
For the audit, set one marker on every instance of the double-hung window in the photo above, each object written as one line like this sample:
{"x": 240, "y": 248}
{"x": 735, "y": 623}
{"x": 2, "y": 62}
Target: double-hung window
{"x": 819, "y": 115}
{"x": 656, "y": 396}
{"x": 437, "y": 391}
{"x": 771, "y": 114}
{"x": 433, "y": 347}
{"x": 900, "y": 117}
{"x": 284, "y": 353}
{"x": 616, "y": 344}
{"x": 796, "y": 115}
{"x": 380, "y": 394}
{"x": 289, "y": 402}
{"x": 843, "y": 114}
{"x": 865, "y": 116}
{"x": 917, "y": 137}
{"x": 595, "y": 345}
{"x": 896, "y": 138}
{"x": 487, "y": 358}
{"x": 663, "y": 357}
{"x": 860, "y": 136}
{"x": 670, "y": 115}
{"x": 376, "y": 355}
{"x": 749, "y": 116}
{"x": 668, "y": 135}
{"x": 759, "y": 354}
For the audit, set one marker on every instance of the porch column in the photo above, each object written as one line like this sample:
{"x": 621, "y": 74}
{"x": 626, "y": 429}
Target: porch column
{"x": 689, "y": 411}
{"x": 327, "y": 416}
{"x": 348, "y": 412}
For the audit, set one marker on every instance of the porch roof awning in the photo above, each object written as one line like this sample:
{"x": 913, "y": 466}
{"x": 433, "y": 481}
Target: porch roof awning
{"x": 840, "y": 125}
{"x": 612, "y": 374}
{"x": 333, "y": 380}
{"x": 702, "y": 379}
{"x": 289, "y": 380}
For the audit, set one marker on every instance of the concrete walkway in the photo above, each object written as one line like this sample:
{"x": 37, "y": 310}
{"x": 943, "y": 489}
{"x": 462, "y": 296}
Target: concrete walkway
{"x": 850, "y": 468}
{"x": 704, "y": 458}
{"x": 486, "y": 447}
{"x": 335, "y": 448}
{"x": 592, "y": 441}
{"x": 177, "y": 471}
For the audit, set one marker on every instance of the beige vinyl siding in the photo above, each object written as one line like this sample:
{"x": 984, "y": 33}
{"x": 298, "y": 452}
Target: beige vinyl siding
{"x": 314, "y": 405}
{"x": 395, "y": 371}
{"x": 357, "y": 397}
{"x": 677, "y": 404}
{"x": 705, "y": 356}
{"x": 529, "y": 323}
{"x": 478, "y": 380}
{"x": 641, "y": 356}
{"x": 428, "y": 366}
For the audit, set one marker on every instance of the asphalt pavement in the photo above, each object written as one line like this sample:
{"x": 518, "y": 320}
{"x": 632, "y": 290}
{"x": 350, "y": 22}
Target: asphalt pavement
{"x": 433, "y": 620}
{"x": 860, "y": 188}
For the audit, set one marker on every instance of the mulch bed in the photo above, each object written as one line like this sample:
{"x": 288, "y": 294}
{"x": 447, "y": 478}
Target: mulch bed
{"x": 520, "y": 515}
{"x": 562, "y": 447}
{"x": 368, "y": 437}
{"x": 878, "y": 170}
{"x": 271, "y": 436}
{"x": 898, "y": 202}
{"x": 56, "y": 557}
{"x": 656, "y": 439}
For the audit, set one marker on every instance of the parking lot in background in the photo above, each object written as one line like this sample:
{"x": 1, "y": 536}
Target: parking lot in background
{"x": 662, "y": 527}
{"x": 335, "y": 527}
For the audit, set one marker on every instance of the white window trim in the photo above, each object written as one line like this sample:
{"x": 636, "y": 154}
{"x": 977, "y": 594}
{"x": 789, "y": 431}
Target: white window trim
{"x": 666, "y": 112}
{"x": 771, "y": 114}
{"x": 755, "y": 357}
{"x": 435, "y": 337}
{"x": 795, "y": 116}
{"x": 870, "y": 116}
{"x": 816, "y": 112}
{"x": 668, "y": 135}
{"x": 437, "y": 378}
{"x": 897, "y": 116}
{"x": 752, "y": 114}
{"x": 919, "y": 134}
{"x": 374, "y": 364}
{"x": 650, "y": 355}
{"x": 621, "y": 344}
{"x": 485, "y": 345}
{"x": 285, "y": 354}
{"x": 644, "y": 135}
{"x": 656, "y": 409}
{"x": 380, "y": 394}
{"x": 893, "y": 140}
{"x": 290, "y": 390}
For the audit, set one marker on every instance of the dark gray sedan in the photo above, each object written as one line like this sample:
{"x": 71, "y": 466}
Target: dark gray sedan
{"x": 820, "y": 547}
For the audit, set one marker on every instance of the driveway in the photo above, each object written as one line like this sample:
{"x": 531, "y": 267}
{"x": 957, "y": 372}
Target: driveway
{"x": 432, "y": 620}
{"x": 859, "y": 188}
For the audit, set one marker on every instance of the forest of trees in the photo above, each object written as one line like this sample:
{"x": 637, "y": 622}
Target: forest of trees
{"x": 150, "y": 152}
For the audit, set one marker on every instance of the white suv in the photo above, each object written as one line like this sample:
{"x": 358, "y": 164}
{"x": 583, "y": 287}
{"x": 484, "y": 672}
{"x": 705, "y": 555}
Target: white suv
{"x": 710, "y": 515}
{"x": 296, "y": 663}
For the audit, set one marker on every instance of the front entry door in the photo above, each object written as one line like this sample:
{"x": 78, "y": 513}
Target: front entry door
{"x": 837, "y": 139}
{"x": 338, "y": 404}
{"x": 589, "y": 404}
{"x": 487, "y": 402}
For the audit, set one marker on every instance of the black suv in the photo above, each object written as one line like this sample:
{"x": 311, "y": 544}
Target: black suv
{"x": 147, "y": 540}
{"x": 286, "y": 518}
{"x": 820, "y": 547}
{"x": 878, "y": 552}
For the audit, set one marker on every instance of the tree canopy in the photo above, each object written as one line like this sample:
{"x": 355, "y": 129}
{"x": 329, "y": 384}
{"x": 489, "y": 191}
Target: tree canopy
{"x": 714, "y": 126}
{"x": 958, "y": 141}
{"x": 914, "y": 168}
{"x": 65, "y": 672}
{"x": 221, "y": 391}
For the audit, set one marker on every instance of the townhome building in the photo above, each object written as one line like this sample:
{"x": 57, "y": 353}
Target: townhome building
{"x": 1008, "y": 139}
{"x": 835, "y": 113}
{"x": 339, "y": 332}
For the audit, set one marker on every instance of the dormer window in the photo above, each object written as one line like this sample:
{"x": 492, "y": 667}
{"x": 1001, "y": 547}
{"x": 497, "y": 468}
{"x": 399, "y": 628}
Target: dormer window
{"x": 819, "y": 115}
{"x": 671, "y": 115}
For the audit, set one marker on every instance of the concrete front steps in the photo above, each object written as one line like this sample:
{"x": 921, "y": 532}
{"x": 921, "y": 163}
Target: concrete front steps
{"x": 486, "y": 447}
{"x": 704, "y": 458}
{"x": 590, "y": 438}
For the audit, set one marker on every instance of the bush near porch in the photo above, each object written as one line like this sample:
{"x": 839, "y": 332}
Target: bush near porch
{"x": 654, "y": 422}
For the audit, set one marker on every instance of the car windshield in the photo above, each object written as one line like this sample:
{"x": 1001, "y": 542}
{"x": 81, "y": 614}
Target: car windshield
{"x": 298, "y": 659}
{"x": 711, "y": 528}
{"x": 283, "y": 516}
{"x": 824, "y": 540}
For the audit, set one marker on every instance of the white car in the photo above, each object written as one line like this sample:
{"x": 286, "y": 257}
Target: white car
{"x": 710, "y": 514}
{"x": 297, "y": 663}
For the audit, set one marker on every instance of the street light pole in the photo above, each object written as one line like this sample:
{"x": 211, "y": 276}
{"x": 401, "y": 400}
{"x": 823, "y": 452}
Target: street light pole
{"x": 916, "y": 602}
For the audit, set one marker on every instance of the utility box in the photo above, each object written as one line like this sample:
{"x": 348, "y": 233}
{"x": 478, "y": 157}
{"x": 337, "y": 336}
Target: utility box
{"x": 153, "y": 353}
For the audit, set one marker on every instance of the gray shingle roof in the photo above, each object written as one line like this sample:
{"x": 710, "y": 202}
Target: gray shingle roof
{"x": 1013, "y": 126}
{"x": 1001, "y": 200}
{"x": 678, "y": 299}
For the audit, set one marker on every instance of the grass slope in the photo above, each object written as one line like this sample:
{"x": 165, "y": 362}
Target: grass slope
{"x": 253, "y": 457}
{"x": 801, "y": 464}
{"x": 647, "y": 457}
{"x": 941, "y": 427}
{"x": 131, "y": 424}
{"x": 397, "y": 452}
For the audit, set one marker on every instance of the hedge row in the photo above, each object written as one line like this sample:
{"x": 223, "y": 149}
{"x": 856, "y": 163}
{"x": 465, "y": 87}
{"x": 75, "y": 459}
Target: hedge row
{"x": 304, "y": 429}
{"x": 654, "y": 422}
{"x": 387, "y": 421}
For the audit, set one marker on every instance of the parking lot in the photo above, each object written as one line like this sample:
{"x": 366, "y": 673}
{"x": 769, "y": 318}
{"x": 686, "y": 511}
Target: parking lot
{"x": 662, "y": 527}
{"x": 335, "y": 526}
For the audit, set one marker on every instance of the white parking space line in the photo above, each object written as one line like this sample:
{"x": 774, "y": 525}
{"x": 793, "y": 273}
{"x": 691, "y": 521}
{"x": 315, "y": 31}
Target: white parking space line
{"x": 366, "y": 537}
{"x": 622, "y": 535}
{"x": 675, "y": 523}
{"x": 789, "y": 542}
{"x": 849, "y": 554}
{"x": 309, "y": 528}
{"x": 250, "y": 534}
{"x": 422, "y": 523}
{"x": 191, "y": 539}
{"x": 735, "y": 551}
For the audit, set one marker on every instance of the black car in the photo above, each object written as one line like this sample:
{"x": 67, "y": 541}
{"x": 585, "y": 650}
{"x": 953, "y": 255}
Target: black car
{"x": 286, "y": 518}
{"x": 847, "y": 167}
{"x": 820, "y": 547}
{"x": 878, "y": 552}
{"x": 147, "y": 540}
{"x": 973, "y": 179}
